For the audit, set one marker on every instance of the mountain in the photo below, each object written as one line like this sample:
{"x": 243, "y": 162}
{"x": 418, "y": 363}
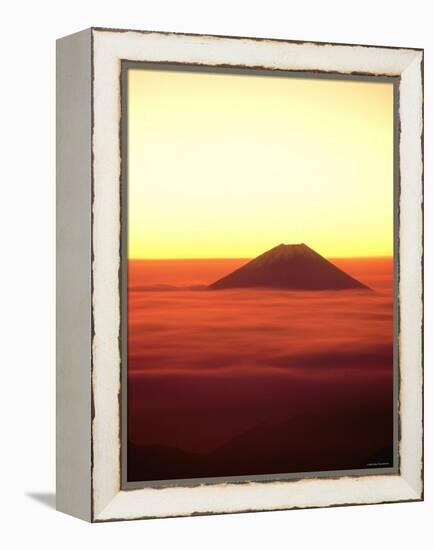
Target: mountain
{"x": 289, "y": 266}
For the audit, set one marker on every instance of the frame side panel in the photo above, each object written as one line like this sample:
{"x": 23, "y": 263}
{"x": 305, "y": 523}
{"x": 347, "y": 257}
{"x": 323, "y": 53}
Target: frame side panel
{"x": 73, "y": 275}
{"x": 411, "y": 274}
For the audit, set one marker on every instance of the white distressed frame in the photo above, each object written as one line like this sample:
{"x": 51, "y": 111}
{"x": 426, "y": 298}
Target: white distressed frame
{"x": 107, "y": 500}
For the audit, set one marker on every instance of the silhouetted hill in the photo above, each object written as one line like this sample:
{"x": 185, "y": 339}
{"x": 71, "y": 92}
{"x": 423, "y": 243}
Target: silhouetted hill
{"x": 289, "y": 266}
{"x": 337, "y": 441}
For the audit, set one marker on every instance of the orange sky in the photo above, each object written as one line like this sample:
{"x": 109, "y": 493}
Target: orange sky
{"x": 225, "y": 166}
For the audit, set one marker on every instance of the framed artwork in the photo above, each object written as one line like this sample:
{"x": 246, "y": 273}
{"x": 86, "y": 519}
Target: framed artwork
{"x": 239, "y": 274}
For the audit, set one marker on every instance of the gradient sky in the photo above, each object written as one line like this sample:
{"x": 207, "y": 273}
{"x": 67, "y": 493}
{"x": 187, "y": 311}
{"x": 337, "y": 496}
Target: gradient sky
{"x": 226, "y": 166}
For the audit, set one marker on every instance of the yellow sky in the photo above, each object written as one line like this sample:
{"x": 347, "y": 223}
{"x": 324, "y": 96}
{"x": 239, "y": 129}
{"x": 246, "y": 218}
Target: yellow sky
{"x": 224, "y": 165}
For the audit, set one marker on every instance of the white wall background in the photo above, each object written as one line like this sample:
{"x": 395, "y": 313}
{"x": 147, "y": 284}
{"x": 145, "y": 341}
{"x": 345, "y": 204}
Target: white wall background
{"x": 27, "y": 223}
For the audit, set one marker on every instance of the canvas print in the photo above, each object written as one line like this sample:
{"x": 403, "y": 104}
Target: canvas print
{"x": 259, "y": 262}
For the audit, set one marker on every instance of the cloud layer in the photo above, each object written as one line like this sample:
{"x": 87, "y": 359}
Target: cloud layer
{"x": 204, "y": 367}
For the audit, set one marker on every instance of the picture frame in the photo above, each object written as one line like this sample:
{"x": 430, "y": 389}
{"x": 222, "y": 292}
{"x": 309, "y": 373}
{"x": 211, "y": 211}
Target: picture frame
{"x": 90, "y": 312}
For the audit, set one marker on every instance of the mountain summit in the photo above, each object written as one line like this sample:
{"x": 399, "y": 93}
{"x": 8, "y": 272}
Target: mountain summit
{"x": 292, "y": 267}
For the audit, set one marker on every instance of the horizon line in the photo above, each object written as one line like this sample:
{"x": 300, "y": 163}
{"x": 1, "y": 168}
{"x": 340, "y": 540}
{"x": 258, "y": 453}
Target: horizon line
{"x": 378, "y": 256}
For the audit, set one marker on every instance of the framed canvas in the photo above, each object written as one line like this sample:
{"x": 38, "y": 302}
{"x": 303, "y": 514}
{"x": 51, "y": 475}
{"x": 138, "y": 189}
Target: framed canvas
{"x": 239, "y": 274}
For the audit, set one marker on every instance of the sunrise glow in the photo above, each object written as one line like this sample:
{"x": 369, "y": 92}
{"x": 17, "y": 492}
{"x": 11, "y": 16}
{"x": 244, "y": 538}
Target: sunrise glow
{"x": 228, "y": 166}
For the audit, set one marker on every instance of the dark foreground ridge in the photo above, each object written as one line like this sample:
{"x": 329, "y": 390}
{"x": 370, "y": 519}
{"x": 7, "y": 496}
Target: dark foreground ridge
{"x": 359, "y": 442}
{"x": 289, "y": 266}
